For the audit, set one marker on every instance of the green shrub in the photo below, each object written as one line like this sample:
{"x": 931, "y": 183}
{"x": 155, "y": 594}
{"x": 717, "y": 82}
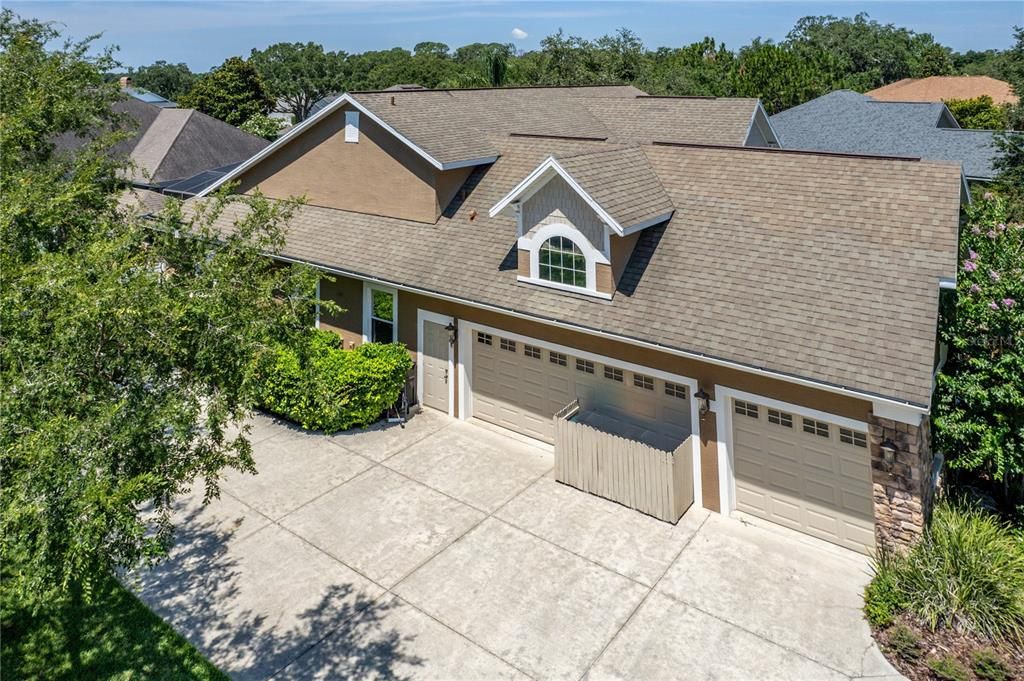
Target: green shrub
{"x": 948, "y": 668}
{"x": 882, "y": 598}
{"x": 989, "y": 666}
{"x": 318, "y": 384}
{"x": 904, "y": 642}
{"x": 966, "y": 573}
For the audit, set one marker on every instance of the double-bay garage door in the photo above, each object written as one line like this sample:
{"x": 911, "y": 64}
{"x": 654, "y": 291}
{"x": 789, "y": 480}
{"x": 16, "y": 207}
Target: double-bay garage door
{"x": 807, "y": 474}
{"x": 520, "y": 386}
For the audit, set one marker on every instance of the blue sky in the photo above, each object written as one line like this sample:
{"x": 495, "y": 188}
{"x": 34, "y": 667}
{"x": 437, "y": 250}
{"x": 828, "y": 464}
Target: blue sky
{"x": 203, "y": 34}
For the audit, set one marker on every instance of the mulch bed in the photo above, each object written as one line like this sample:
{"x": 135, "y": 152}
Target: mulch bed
{"x": 943, "y": 643}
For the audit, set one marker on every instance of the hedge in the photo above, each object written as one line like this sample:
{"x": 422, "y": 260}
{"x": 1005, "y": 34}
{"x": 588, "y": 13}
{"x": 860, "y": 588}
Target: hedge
{"x": 319, "y": 385}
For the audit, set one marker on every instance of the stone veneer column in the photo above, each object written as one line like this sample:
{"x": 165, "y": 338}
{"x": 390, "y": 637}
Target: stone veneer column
{"x": 902, "y": 495}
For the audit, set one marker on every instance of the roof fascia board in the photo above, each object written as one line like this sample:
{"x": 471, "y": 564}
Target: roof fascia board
{"x": 483, "y": 160}
{"x": 902, "y": 411}
{"x": 551, "y": 164}
{"x": 657, "y": 219}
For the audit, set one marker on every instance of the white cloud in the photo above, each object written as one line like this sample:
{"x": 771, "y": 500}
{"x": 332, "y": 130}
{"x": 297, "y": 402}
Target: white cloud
{"x": 519, "y": 33}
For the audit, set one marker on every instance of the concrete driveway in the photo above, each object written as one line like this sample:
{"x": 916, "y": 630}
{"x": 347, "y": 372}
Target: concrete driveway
{"x": 444, "y": 550}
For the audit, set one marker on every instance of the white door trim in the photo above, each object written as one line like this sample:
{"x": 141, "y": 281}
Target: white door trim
{"x": 443, "y": 320}
{"x": 467, "y": 330}
{"x": 723, "y": 415}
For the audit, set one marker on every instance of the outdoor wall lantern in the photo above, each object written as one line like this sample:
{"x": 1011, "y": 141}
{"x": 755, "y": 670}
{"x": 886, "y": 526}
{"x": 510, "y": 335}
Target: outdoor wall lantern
{"x": 453, "y": 332}
{"x": 704, "y": 400}
{"x": 889, "y": 450}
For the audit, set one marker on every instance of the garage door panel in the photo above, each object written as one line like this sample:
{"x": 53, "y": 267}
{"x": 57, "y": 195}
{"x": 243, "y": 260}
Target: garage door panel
{"x": 803, "y": 481}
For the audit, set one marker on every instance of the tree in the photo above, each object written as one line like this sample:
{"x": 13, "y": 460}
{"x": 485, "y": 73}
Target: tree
{"x": 167, "y": 80}
{"x": 979, "y": 415}
{"x": 781, "y": 76}
{"x": 298, "y": 75}
{"x": 232, "y": 92}
{"x": 263, "y": 126}
{"x": 125, "y": 345}
{"x": 700, "y": 69}
{"x": 980, "y": 113}
{"x": 430, "y": 49}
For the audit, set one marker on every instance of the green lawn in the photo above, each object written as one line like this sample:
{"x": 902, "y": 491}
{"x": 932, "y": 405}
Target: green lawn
{"x": 122, "y": 639}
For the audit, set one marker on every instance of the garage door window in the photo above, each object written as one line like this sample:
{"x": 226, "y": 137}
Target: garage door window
{"x": 531, "y": 351}
{"x": 852, "y": 437}
{"x": 507, "y": 344}
{"x": 819, "y": 428}
{"x": 558, "y": 358}
{"x": 645, "y": 382}
{"x": 780, "y": 418}
{"x": 584, "y": 365}
{"x": 675, "y": 390}
{"x": 484, "y": 338}
{"x": 746, "y": 409}
{"x": 613, "y": 374}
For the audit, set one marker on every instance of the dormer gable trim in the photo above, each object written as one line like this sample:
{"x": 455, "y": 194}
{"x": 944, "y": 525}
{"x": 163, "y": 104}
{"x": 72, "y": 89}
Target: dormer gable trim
{"x": 539, "y": 177}
{"x": 322, "y": 114}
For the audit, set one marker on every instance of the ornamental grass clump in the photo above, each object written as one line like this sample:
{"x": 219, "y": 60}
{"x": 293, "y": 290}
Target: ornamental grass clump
{"x": 319, "y": 385}
{"x": 966, "y": 574}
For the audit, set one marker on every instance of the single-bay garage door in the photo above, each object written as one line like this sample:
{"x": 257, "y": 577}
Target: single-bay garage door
{"x": 807, "y": 474}
{"x": 520, "y": 386}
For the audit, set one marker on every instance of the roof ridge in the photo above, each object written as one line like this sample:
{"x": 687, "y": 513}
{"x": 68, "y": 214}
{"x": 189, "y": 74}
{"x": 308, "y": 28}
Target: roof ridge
{"x": 778, "y": 150}
{"x": 491, "y": 88}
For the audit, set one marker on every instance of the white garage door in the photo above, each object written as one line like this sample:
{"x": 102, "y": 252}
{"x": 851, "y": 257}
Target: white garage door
{"x": 806, "y": 474}
{"x": 520, "y": 386}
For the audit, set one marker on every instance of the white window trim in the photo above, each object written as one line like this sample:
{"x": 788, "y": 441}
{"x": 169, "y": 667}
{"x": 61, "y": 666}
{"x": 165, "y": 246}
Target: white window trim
{"x": 722, "y": 406}
{"x": 428, "y": 316}
{"x": 467, "y": 332}
{"x": 368, "y": 289}
{"x": 532, "y": 243}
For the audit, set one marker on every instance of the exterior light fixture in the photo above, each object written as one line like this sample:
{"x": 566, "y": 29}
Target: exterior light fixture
{"x": 704, "y": 400}
{"x": 889, "y": 450}
{"x": 453, "y": 332}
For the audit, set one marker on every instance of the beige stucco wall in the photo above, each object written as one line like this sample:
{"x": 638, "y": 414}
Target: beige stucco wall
{"x": 378, "y": 175}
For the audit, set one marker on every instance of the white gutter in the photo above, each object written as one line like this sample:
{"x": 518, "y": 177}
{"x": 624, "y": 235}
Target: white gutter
{"x": 886, "y": 407}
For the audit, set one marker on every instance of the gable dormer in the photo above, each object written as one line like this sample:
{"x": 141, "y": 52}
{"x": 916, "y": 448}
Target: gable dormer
{"x": 579, "y": 217}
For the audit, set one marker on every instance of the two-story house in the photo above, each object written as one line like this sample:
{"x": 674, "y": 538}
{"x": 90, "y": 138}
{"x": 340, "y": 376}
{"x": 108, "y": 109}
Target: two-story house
{"x": 657, "y": 258}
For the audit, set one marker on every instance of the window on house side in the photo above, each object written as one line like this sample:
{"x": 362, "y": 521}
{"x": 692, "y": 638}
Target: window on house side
{"x": 562, "y": 262}
{"x": 382, "y": 316}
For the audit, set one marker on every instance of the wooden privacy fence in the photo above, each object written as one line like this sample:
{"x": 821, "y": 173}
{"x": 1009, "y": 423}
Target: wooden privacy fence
{"x": 650, "y": 480}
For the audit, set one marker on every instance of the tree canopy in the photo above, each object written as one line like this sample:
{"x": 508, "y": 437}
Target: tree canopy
{"x": 125, "y": 344}
{"x": 234, "y": 92}
{"x": 167, "y": 80}
{"x": 298, "y": 75}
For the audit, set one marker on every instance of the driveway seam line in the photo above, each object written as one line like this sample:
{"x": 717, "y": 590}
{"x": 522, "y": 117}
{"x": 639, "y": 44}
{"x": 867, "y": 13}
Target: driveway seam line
{"x": 332, "y": 440}
{"x": 325, "y": 493}
{"x": 643, "y": 600}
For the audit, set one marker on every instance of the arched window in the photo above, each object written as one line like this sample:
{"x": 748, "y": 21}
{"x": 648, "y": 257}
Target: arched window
{"x": 562, "y": 262}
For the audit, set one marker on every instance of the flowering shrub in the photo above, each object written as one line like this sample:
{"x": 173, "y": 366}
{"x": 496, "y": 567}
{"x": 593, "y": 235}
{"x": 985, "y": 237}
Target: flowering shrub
{"x": 979, "y": 415}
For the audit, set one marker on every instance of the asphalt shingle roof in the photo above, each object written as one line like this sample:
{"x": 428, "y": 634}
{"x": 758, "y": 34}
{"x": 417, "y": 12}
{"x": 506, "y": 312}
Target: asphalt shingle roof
{"x": 457, "y": 125}
{"x": 622, "y": 182}
{"x": 850, "y": 122}
{"x": 819, "y": 266}
{"x": 939, "y": 88}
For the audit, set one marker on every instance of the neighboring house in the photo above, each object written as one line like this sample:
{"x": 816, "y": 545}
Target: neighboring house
{"x": 850, "y": 122}
{"x": 172, "y": 146}
{"x": 944, "y": 88}
{"x": 654, "y": 259}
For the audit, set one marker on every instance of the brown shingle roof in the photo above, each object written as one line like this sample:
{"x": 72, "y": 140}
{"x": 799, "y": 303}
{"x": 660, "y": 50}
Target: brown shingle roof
{"x": 818, "y": 266}
{"x": 942, "y": 88}
{"x": 457, "y": 125}
{"x": 622, "y": 182}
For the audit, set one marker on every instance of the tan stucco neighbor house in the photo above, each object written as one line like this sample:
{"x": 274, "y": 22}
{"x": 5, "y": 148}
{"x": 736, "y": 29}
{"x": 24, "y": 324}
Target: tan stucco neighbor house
{"x": 659, "y": 257}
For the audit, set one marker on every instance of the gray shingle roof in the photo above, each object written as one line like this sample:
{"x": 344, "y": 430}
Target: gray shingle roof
{"x": 851, "y": 122}
{"x": 817, "y": 266}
